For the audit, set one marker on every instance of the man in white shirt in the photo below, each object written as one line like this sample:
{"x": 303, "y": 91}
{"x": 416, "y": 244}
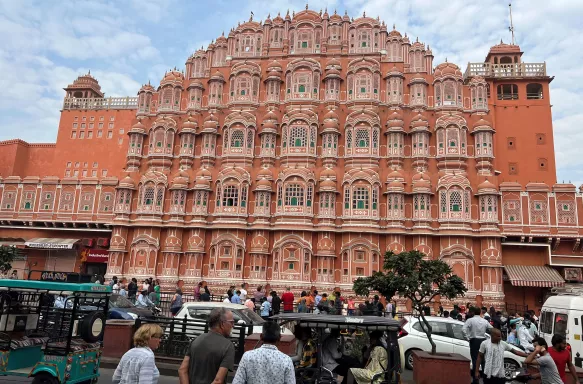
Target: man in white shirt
{"x": 266, "y": 365}
{"x": 492, "y": 353}
{"x": 474, "y": 330}
{"x": 243, "y": 295}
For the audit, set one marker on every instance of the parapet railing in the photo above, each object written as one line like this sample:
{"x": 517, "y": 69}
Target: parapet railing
{"x": 506, "y": 70}
{"x": 100, "y": 103}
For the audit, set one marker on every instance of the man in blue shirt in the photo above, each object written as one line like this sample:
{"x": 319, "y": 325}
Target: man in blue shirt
{"x": 236, "y": 299}
{"x": 265, "y": 309}
{"x": 143, "y": 301}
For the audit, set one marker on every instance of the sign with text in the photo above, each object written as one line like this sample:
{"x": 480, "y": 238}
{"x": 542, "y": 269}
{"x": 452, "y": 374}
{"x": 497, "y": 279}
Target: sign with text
{"x": 97, "y": 256}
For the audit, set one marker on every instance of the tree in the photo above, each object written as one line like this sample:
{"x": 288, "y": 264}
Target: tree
{"x": 410, "y": 276}
{"x": 7, "y": 256}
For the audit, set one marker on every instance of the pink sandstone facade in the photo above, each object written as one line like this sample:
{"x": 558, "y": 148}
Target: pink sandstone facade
{"x": 296, "y": 152}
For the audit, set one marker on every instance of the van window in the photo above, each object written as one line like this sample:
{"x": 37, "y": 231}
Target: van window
{"x": 561, "y": 324}
{"x": 546, "y": 322}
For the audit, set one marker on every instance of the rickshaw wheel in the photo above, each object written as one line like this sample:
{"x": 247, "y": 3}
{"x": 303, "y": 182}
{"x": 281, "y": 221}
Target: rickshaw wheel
{"x": 45, "y": 378}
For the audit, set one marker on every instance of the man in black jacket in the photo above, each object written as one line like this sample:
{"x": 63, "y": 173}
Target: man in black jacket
{"x": 275, "y": 303}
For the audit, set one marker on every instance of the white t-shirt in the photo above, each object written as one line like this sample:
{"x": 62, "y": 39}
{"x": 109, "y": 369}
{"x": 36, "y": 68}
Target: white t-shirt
{"x": 145, "y": 286}
{"x": 226, "y": 300}
{"x": 243, "y": 294}
{"x": 115, "y": 288}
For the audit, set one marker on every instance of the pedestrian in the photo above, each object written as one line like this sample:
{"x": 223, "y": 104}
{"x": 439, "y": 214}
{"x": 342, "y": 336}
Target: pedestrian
{"x": 491, "y": 355}
{"x": 226, "y": 300}
{"x": 275, "y": 303}
{"x": 157, "y": 294}
{"x": 332, "y": 357}
{"x": 524, "y": 336}
{"x": 145, "y": 285}
{"x": 206, "y": 294}
{"x": 243, "y": 291}
{"x": 138, "y": 366}
{"x": 378, "y": 306}
{"x": 511, "y": 339}
{"x": 445, "y": 314}
{"x": 455, "y": 311}
{"x": 132, "y": 288}
{"x": 259, "y": 294}
{"x": 14, "y": 275}
{"x": 288, "y": 301}
{"x": 211, "y": 355}
{"x": 253, "y": 368}
{"x": 122, "y": 290}
{"x": 496, "y": 319}
{"x": 351, "y": 306}
{"x": 265, "y": 309}
{"x": 302, "y": 308}
{"x": 562, "y": 357}
{"x": 236, "y": 299}
{"x": 324, "y": 305}
{"x": 549, "y": 374}
{"x": 143, "y": 301}
{"x": 474, "y": 330}
{"x": 115, "y": 285}
{"x": 176, "y": 302}
{"x": 197, "y": 290}
{"x": 113, "y": 281}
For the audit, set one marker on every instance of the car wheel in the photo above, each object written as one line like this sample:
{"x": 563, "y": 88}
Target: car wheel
{"x": 45, "y": 378}
{"x": 409, "y": 358}
{"x": 510, "y": 366}
{"x": 92, "y": 327}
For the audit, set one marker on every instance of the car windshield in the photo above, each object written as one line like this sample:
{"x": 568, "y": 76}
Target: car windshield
{"x": 251, "y": 316}
{"x": 118, "y": 301}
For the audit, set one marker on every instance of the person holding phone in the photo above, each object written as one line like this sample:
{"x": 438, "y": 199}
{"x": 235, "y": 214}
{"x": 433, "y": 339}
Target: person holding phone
{"x": 549, "y": 374}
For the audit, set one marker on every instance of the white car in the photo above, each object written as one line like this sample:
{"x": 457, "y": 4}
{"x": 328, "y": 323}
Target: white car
{"x": 448, "y": 338}
{"x": 201, "y": 310}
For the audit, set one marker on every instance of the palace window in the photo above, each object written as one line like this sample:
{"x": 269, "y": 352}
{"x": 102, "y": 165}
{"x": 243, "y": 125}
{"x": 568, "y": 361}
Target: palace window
{"x": 305, "y": 41}
{"x": 362, "y": 141}
{"x": 294, "y": 195}
{"x": 199, "y": 66}
{"x": 418, "y": 92}
{"x": 566, "y": 212}
{"x": 298, "y": 198}
{"x": 335, "y": 32}
{"x": 539, "y": 211}
{"x": 395, "y": 206}
{"x": 361, "y": 200}
{"x": 420, "y": 144}
{"x": 534, "y": 91}
{"x": 395, "y": 90}
{"x": 417, "y": 61}
{"x": 230, "y": 196}
{"x": 454, "y": 204}
{"x": 195, "y": 95}
{"x": 508, "y": 92}
{"x": 488, "y": 208}
{"x": 215, "y": 93}
{"x": 421, "y": 208}
{"x": 512, "y": 211}
{"x": 395, "y": 144}
{"x": 479, "y": 97}
{"x": 484, "y": 144}
{"x": 219, "y": 56}
{"x": 276, "y": 37}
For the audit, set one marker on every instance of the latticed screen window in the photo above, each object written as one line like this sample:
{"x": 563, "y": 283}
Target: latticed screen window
{"x": 159, "y": 196}
{"x": 149, "y": 196}
{"x": 362, "y": 138}
{"x": 375, "y": 198}
{"x": 566, "y": 212}
{"x": 349, "y": 138}
{"x": 347, "y": 198}
{"x": 512, "y": 211}
{"x": 231, "y": 196}
{"x": 237, "y": 139}
{"x": 298, "y": 136}
{"x": 538, "y": 211}
{"x": 294, "y": 195}
{"x": 455, "y": 201}
{"x": 360, "y": 198}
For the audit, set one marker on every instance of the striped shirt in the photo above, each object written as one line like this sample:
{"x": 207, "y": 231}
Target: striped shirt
{"x": 137, "y": 366}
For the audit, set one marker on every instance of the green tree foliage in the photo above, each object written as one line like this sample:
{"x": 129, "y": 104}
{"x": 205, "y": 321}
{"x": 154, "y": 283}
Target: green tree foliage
{"x": 7, "y": 256}
{"x": 409, "y": 275}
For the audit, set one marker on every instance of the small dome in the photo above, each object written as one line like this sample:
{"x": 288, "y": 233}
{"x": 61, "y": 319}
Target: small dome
{"x": 330, "y": 124}
{"x": 328, "y": 173}
{"x": 333, "y": 62}
{"x": 264, "y": 184}
{"x": 202, "y": 183}
{"x": 210, "y": 121}
{"x": 331, "y": 115}
{"x": 446, "y": 68}
{"x": 147, "y": 88}
{"x": 270, "y": 116}
{"x": 264, "y": 173}
{"x": 486, "y": 186}
{"x": 204, "y": 172}
{"x": 481, "y": 123}
{"x": 127, "y": 183}
{"x": 419, "y": 121}
{"x": 218, "y": 76}
{"x": 332, "y": 72}
{"x": 396, "y": 115}
{"x": 274, "y": 65}
{"x": 395, "y": 175}
{"x": 327, "y": 185}
{"x": 346, "y": 17}
{"x": 180, "y": 180}
{"x": 138, "y": 126}
{"x": 420, "y": 176}
{"x": 395, "y": 185}
{"x": 196, "y": 84}
{"x": 422, "y": 185}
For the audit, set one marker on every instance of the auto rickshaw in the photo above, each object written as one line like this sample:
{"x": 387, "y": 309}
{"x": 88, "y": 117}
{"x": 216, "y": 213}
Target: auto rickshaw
{"x": 52, "y": 331}
{"x": 348, "y": 325}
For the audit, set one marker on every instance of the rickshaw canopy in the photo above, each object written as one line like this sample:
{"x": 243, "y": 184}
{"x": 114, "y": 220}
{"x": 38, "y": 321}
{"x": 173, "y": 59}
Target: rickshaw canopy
{"x": 368, "y": 323}
{"x": 54, "y": 286}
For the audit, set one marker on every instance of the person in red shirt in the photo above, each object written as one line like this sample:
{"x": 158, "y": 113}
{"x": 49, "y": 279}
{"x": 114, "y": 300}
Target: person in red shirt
{"x": 562, "y": 356}
{"x": 288, "y": 301}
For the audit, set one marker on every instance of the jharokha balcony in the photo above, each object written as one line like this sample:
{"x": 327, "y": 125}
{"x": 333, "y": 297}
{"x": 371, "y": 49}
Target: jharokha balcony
{"x": 510, "y": 70}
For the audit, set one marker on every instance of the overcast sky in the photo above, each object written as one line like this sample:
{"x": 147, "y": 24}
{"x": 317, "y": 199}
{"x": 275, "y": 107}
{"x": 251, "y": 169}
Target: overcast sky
{"x": 46, "y": 44}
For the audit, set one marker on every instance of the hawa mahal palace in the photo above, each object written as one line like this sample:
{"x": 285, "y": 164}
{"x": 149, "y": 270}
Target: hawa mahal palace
{"x": 296, "y": 152}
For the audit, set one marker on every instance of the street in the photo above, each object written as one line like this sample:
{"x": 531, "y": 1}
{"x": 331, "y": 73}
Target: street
{"x": 106, "y": 375}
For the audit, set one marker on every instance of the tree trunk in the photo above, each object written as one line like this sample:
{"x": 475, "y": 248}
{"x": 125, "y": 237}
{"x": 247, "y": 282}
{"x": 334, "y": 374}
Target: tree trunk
{"x": 427, "y": 329}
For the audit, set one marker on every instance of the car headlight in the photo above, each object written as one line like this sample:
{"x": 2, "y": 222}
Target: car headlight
{"x": 133, "y": 315}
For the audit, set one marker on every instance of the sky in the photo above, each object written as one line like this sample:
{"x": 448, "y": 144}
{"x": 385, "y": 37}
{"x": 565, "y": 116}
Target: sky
{"x": 46, "y": 44}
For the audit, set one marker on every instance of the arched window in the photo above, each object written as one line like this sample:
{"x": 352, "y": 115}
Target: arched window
{"x": 304, "y": 41}
{"x": 298, "y": 136}
{"x": 508, "y": 92}
{"x": 276, "y": 37}
{"x": 418, "y": 92}
{"x": 421, "y": 208}
{"x": 534, "y": 91}
{"x": 236, "y": 138}
{"x": 362, "y": 138}
{"x": 395, "y": 144}
{"x": 484, "y": 144}
{"x": 420, "y": 144}
{"x": 395, "y": 206}
{"x": 360, "y": 198}
{"x": 335, "y": 32}
{"x": 294, "y": 195}
{"x": 230, "y": 196}
{"x": 488, "y": 208}
{"x": 454, "y": 204}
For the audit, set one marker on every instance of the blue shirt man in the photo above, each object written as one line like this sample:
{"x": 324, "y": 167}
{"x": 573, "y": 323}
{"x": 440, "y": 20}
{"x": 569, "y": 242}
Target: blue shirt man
{"x": 236, "y": 299}
{"x": 265, "y": 308}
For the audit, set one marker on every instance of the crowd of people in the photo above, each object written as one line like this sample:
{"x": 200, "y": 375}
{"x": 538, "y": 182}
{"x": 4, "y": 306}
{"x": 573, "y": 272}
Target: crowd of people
{"x": 506, "y": 333}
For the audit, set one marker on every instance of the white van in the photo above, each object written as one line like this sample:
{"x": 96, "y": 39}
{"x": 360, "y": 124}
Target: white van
{"x": 563, "y": 315}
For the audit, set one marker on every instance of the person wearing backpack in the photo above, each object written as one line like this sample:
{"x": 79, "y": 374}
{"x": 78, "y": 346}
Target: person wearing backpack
{"x": 176, "y": 302}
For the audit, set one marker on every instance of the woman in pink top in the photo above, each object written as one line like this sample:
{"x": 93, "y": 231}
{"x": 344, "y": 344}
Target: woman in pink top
{"x": 351, "y": 306}
{"x": 250, "y": 304}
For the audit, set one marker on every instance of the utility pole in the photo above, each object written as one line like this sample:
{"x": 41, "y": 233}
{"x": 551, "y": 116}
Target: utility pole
{"x": 511, "y": 28}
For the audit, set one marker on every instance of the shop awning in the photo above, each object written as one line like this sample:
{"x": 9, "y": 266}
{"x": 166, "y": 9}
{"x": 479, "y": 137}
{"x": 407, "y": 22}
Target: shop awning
{"x": 533, "y": 276}
{"x": 51, "y": 243}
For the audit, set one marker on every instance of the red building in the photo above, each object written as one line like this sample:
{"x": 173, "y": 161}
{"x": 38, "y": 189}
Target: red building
{"x": 297, "y": 152}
